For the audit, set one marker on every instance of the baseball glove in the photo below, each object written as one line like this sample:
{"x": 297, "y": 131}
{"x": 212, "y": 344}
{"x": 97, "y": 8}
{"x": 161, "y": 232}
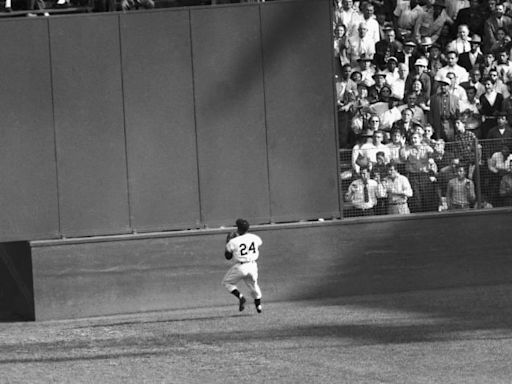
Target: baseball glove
{"x": 230, "y": 236}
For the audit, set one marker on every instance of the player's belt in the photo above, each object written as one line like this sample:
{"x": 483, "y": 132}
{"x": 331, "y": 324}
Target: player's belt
{"x": 245, "y": 262}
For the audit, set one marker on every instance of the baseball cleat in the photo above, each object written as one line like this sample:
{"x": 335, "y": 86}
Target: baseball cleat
{"x": 258, "y": 308}
{"x": 241, "y": 304}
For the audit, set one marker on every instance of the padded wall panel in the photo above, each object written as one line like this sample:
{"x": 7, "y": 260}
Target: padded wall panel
{"x": 88, "y": 103}
{"x": 28, "y": 195}
{"x": 310, "y": 261}
{"x": 230, "y": 114}
{"x": 299, "y": 102}
{"x": 159, "y": 116}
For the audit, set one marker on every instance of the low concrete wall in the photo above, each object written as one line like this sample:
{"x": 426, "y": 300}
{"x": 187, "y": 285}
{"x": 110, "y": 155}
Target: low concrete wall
{"x": 112, "y": 275}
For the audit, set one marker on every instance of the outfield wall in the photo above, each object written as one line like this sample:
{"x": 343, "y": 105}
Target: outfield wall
{"x": 168, "y": 119}
{"x": 76, "y": 278}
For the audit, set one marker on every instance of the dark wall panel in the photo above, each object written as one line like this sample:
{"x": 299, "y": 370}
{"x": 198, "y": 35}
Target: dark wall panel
{"x": 28, "y": 195}
{"x": 230, "y": 114}
{"x": 91, "y": 157}
{"x": 159, "y": 117}
{"x": 299, "y": 103}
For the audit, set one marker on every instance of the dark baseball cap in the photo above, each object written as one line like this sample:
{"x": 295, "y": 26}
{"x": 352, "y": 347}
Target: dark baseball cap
{"x": 242, "y": 225}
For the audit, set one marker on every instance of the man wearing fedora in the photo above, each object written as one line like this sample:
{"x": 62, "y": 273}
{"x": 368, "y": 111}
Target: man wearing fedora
{"x": 497, "y": 20}
{"x": 386, "y": 48}
{"x": 473, "y": 58}
{"x": 431, "y": 21}
{"x": 444, "y": 107}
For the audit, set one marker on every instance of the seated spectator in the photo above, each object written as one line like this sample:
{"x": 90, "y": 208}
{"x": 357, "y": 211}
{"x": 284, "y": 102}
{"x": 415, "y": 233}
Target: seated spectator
{"x": 397, "y": 190}
{"x": 362, "y": 193}
{"x": 506, "y": 188}
{"x": 460, "y": 192}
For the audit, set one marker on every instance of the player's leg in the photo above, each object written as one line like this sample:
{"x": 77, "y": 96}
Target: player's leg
{"x": 232, "y": 277}
{"x": 251, "y": 280}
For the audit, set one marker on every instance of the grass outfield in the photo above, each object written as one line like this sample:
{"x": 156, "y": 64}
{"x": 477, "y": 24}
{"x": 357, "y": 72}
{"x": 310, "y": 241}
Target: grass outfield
{"x": 438, "y": 336}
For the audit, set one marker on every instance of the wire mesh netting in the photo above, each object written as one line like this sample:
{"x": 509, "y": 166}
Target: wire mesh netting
{"x": 423, "y": 175}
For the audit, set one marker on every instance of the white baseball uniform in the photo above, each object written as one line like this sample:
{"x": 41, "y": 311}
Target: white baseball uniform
{"x": 245, "y": 250}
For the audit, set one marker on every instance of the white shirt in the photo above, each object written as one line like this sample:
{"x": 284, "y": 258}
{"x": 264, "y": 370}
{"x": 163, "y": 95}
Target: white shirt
{"x": 458, "y": 45}
{"x": 245, "y": 248}
{"x": 460, "y": 72}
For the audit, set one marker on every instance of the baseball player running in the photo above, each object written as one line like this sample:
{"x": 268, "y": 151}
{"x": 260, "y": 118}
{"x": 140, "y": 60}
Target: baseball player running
{"x": 243, "y": 248}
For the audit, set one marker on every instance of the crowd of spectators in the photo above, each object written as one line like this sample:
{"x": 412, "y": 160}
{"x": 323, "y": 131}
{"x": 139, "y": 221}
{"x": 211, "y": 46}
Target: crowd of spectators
{"x": 424, "y": 97}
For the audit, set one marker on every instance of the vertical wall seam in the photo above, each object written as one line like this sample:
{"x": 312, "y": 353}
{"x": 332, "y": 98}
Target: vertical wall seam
{"x": 202, "y": 219}
{"x": 269, "y": 189}
{"x": 55, "y": 152}
{"x": 121, "y": 62}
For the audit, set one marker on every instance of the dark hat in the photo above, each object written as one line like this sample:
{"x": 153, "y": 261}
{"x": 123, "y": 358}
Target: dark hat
{"x": 242, "y": 225}
{"x": 380, "y": 73}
